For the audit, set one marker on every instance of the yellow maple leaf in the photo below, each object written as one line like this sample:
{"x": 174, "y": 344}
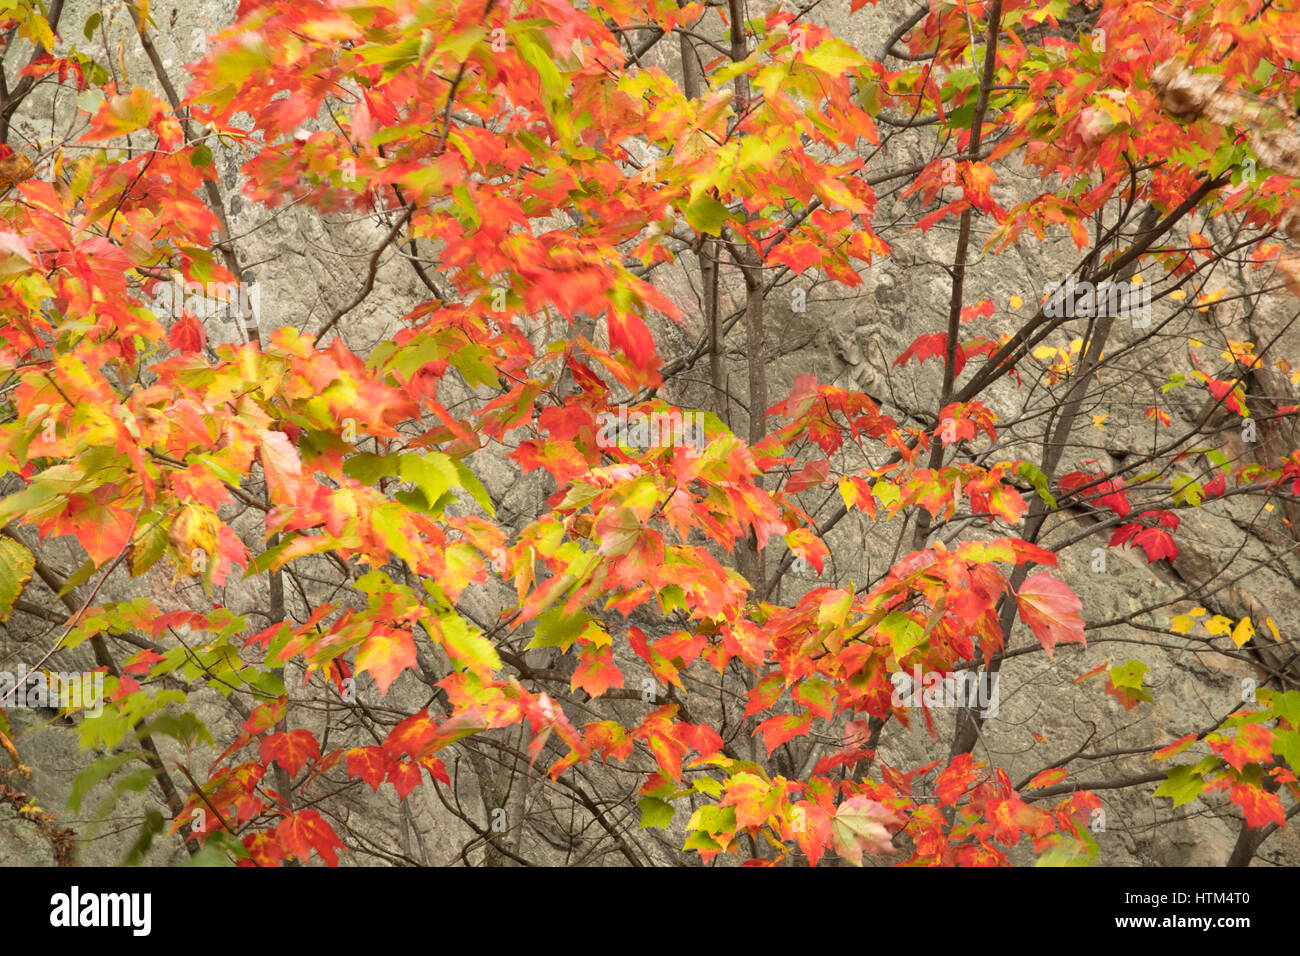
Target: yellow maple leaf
{"x": 1209, "y": 298}
{"x": 1243, "y": 632}
{"x": 1243, "y": 352}
{"x": 193, "y": 535}
{"x": 1219, "y": 624}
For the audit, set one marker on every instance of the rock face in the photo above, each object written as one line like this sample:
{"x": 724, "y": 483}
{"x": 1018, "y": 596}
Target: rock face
{"x": 307, "y": 265}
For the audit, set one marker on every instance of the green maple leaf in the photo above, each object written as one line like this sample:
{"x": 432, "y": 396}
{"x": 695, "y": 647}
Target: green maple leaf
{"x": 1182, "y": 785}
{"x": 655, "y": 813}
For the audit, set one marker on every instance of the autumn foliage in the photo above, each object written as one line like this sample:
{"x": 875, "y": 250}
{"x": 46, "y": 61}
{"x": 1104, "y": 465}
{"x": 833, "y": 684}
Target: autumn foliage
{"x": 539, "y": 172}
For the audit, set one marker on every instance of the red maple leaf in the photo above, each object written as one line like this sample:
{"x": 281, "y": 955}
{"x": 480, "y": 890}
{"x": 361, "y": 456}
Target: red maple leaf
{"x": 412, "y": 735}
{"x": 809, "y": 476}
{"x": 187, "y": 334}
{"x": 1051, "y": 610}
{"x": 928, "y": 346}
{"x": 976, "y": 181}
{"x": 815, "y": 831}
{"x": 1105, "y": 493}
{"x": 596, "y": 672}
{"x": 1047, "y": 778}
{"x": 629, "y": 335}
{"x": 955, "y": 779}
{"x": 282, "y": 466}
{"x": 368, "y": 763}
{"x": 1259, "y": 806}
{"x": 102, "y": 529}
{"x": 306, "y": 831}
{"x": 404, "y": 775}
{"x": 263, "y": 849}
{"x": 437, "y": 770}
{"x": 385, "y": 654}
{"x": 291, "y": 750}
{"x": 1157, "y": 543}
{"x": 1253, "y": 743}
{"x": 777, "y": 730}
{"x": 141, "y": 663}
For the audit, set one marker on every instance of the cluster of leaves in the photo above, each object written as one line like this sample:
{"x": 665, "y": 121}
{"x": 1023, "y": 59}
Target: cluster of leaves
{"x": 468, "y": 123}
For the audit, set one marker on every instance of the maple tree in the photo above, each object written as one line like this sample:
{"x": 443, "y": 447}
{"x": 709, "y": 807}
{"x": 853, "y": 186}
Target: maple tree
{"x": 539, "y": 175}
